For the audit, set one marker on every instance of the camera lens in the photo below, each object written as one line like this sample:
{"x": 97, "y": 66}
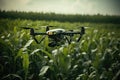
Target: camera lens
{"x": 52, "y": 44}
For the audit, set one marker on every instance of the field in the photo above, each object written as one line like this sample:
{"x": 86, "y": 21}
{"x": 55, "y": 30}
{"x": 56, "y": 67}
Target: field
{"x": 95, "y": 57}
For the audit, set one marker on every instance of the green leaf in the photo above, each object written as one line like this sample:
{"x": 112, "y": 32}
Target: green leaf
{"x": 28, "y": 43}
{"x": 43, "y": 70}
{"x": 25, "y": 60}
{"x": 12, "y": 76}
{"x": 25, "y": 63}
{"x": 47, "y": 53}
{"x": 36, "y": 50}
{"x": 19, "y": 54}
{"x": 92, "y": 75}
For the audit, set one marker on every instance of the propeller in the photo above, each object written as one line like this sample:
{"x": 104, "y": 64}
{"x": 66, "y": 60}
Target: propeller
{"x": 31, "y": 30}
{"x": 47, "y": 27}
{"x": 25, "y": 28}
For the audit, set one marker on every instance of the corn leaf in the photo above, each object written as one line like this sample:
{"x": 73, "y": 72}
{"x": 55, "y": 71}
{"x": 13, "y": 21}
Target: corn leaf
{"x": 43, "y": 70}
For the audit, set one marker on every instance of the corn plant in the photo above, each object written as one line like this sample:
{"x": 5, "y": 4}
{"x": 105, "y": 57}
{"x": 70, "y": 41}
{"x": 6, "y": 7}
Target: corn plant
{"x": 95, "y": 57}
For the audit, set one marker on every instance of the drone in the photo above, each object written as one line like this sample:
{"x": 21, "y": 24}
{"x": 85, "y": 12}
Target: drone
{"x": 56, "y": 36}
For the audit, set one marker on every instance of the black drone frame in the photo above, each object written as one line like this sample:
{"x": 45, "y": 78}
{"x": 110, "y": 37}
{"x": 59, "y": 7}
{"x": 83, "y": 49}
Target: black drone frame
{"x": 70, "y": 34}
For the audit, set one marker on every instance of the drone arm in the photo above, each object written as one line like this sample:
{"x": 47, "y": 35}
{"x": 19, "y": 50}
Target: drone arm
{"x": 42, "y": 39}
{"x": 39, "y": 34}
{"x": 72, "y": 33}
{"x": 37, "y": 40}
{"x": 81, "y": 33}
{"x": 33, "y": 34}
{"x": 79, "y": 38}
{"x": 69, "y": 41}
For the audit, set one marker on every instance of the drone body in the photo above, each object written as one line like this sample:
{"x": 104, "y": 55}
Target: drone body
{"x": 56, "y": 36}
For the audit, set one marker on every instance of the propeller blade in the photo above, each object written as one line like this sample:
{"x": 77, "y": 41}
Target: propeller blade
{"x": 47, "y": 28}
{"x": 29, "y": 28}
{"x": 51, "y": 26}
{"x": 25, "y": 27}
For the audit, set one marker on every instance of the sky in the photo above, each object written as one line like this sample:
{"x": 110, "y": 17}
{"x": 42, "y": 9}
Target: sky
{"x": 91, "y": 7}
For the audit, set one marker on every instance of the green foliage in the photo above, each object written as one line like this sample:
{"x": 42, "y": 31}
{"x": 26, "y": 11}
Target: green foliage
{"x": 95, "y": 57}
{"x": 60, "y": 17}
{"x": 43, "y": 70}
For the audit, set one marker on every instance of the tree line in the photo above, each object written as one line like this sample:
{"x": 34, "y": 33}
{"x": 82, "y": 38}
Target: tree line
{"x": 60, "y": 17}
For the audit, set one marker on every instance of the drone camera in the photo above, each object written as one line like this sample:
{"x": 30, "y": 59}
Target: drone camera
{"x": 50, "y": 33}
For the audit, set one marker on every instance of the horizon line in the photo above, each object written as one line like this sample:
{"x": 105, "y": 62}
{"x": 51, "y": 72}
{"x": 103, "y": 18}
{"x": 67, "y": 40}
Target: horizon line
{"x": 59, "y": 13}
